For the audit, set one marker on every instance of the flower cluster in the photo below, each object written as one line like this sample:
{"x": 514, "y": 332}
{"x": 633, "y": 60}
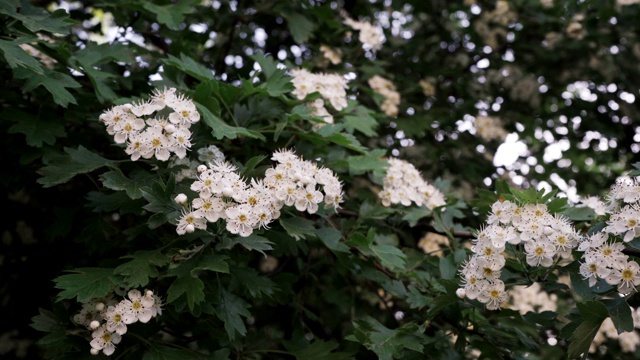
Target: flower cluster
{"x": 388, "y": 90}
{"x": 490, "y": 128}
{"x": 108, "y": 319}
{"x": 532, "y": 298}
{"x": 331, "y": 54}
{"x": 432, "y": 244}
{"x": 332, "y": 87}
{"x": 428, "y": 85}
{"x": 148, "y": 135}
{"x": 545, "y": 239}
{"x": 403, "y": 184}
{"x": 370, "y": 36}
{"x": 492, "y": 24}
{"x": 223, "y": 194}
{"x": 628, "y": 341}
{"x": 603, "y": 256}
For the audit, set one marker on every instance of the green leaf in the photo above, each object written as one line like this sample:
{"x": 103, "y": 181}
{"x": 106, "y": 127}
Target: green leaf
{"x": 579, "y": 213}
{"x": 191, "y": 286}
{"x": 251, "y": 242}
{"x": 212, "y": 262}
{"x": 278, "y": 84}
{"x": 373, "y": 161}
{"x": 439, "y": 303}
{"x": 361, "y": 121}
{"x": 298, "y": 227}
{"x": 86, "y": 283}
{"x": 370, "y": 210}
{"x": 256, "y": 109}
{"x": 267, "y": 63}
{"x": 331, "y": 238}
{"x": 136, "y": 273}
{"x": 251, "y": 281}
{"x": 46, "y": 321}
{"x": 348, "y": 141}
{"x": 448, "y": 269}
{"x": 164, "y": 352}
{"x": 172, "y": 15}
{"x": 17, "y": 57}
{"x": 416, "y": 299}
{"x": 56, "y": 83}
{"x": 387, "y": 343}
{"x": 115, "y": 180}
{"x": 37, "y": 130}
{"x": 557, "y": 205}
{"x": 620, "y": 313}
{"x": 57, "y": 22}
{"x": 159, "y": 195}
{"x": 321, "y": 350}
{"x": 251, "y": 165}
{"x": 190, "y": 66}
{"x": 414, "y": 214}
{"x": 300, "y": 26}
{"x": 593, "y": 314}
{"x": 55, "y": 341}
{"x": 61, "y": 168}
{"x": 229, "y": 308}
{"x": 220, "y": 130}
{"x": 390, "y": 256}
{"x": 205, "y": 96}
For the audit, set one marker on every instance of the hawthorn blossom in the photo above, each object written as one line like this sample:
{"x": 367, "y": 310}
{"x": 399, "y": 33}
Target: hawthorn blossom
{"x": 105, "y": 340}
{"x": 142, "y": 125}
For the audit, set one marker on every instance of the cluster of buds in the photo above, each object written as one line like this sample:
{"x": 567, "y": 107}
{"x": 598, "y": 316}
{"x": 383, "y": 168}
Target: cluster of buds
{"x": 545, "y": 239}
{"x": 388, "y": 90}
{"x": 223, "y": 194}
{"x": 148, "y": 134}
{"x": 403, "y": 184}
{"x": 108, "y": 319}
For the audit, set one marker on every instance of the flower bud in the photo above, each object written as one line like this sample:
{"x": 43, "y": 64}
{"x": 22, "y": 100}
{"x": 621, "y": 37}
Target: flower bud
{"x": 461, "y": 293}
{"x": 552, "y": 341}
{"x": 94, "y": 324}
{"x": 100, "y": 306}
{"x": 94, "y": 351}
{"x": 202, "y": 168}
{"x": 190, "y": 228}
{"x": 170, "y": 129}
{"x": 181, "y": 199}
{"x": 149, "y": 293}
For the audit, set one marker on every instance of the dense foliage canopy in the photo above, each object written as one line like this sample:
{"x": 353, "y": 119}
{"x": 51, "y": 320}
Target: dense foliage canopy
{"x": 269, "y": 179}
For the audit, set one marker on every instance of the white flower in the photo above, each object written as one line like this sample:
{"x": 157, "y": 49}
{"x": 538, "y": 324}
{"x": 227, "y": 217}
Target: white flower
{"x": 115, "y": 319}
{"x": 493, "y": 295}
{"x": 144, "y": 108}
{"x": 593, "y": 270}
{"x": 627, "y": 222}
{"x": 211, "y": 208}
{"x": 138, "y": 307}
{"x": 539, "y": 253}
{"x": 185, "y": 113}
{"x": 627, "y": 277}
{"x": 241, "y": 220}
{"x": 307, "y": 199}
{"x": 190, "y": 221}
{"x": 105, "y": 340}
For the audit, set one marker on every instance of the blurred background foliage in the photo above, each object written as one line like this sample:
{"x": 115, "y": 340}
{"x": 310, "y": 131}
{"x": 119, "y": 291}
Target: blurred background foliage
{"x": 539, "y": 94}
